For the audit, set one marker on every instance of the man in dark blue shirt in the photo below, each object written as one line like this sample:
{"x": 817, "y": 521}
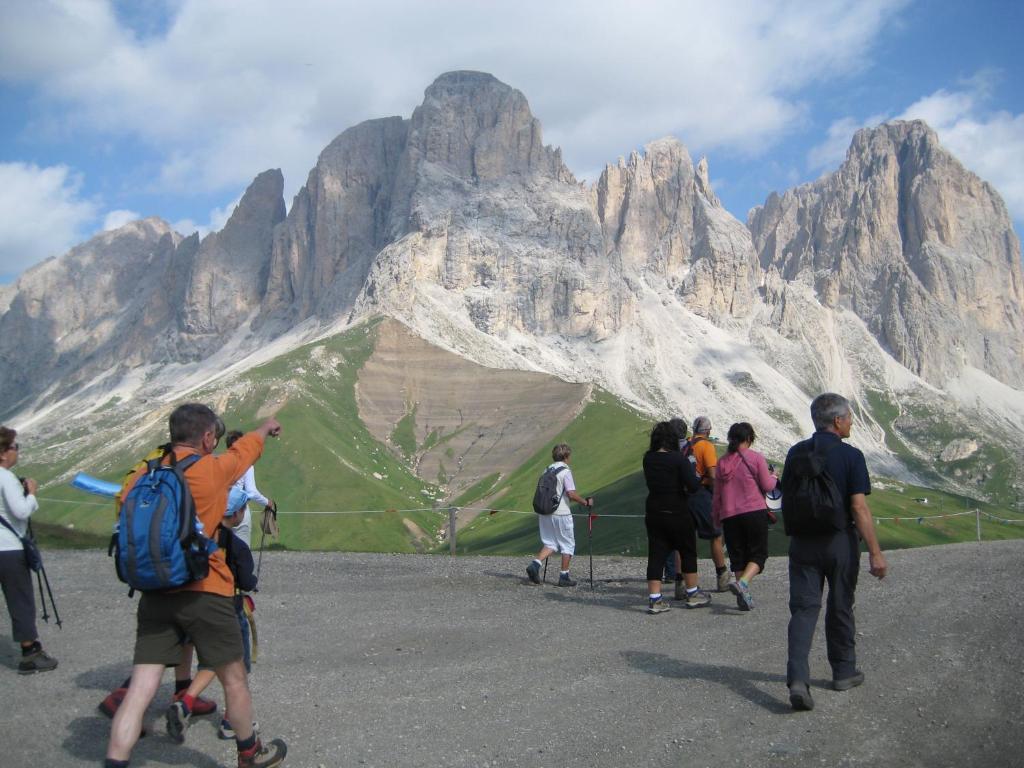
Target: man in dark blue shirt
{"x": 834, "y": 558}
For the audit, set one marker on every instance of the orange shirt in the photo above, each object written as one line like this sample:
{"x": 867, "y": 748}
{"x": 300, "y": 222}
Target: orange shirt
{"x": 706, "y": 456}
{"x": 209, "y": 480}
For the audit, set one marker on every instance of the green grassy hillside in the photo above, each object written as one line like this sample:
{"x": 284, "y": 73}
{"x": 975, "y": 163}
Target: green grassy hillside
{"x": 338, "y": 487}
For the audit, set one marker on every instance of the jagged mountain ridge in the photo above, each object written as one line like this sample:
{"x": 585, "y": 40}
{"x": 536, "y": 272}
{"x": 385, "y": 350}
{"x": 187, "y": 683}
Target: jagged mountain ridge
{"x": 460, "y": 223}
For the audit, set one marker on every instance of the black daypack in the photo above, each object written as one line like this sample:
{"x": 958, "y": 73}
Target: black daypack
{"x": 547, "y": 498}
{"x": 811, "y": 502}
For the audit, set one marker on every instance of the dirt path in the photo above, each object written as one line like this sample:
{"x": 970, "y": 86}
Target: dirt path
{"x": 379, "y": 660}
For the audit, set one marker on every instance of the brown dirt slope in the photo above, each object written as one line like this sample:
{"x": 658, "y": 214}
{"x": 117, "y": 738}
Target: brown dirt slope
{"x": 468, "y": 422}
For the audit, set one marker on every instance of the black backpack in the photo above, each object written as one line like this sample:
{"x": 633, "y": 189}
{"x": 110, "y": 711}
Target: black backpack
{"x": 546, "y": 498}
{"x": 811, "y": 502}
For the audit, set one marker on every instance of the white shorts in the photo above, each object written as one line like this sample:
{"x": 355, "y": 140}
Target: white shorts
{"x": 556, "y": 532}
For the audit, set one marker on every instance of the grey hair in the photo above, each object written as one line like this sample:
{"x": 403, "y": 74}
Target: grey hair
{"x": 701, "y": 425}
{"x": 561, "y": 452}
{"x": 826, "y": 408}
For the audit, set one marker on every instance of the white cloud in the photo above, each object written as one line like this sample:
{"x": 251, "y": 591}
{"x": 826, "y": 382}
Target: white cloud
{"x": 117, "y": 219}
{"x": 43, "y": 214}
{"x": 217, "y": 219}
{"x": 831, "y": 152}
{"x": 231, "y": 90}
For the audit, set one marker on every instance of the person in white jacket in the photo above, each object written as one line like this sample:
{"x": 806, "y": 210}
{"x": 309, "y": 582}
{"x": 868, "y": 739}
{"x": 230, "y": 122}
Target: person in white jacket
{"x": 17, "y": 503}
{"x": 241, "y": 521}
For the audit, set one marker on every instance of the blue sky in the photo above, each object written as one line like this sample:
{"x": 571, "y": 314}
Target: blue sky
{"x": 111, "y": 111}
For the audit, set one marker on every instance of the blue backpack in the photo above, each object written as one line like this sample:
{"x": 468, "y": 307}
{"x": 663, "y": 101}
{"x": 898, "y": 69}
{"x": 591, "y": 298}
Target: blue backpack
{"x": 159, "y": 542}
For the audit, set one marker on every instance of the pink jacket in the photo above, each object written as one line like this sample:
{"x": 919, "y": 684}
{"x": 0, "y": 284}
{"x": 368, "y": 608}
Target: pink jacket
{"x": 737, "y": 490}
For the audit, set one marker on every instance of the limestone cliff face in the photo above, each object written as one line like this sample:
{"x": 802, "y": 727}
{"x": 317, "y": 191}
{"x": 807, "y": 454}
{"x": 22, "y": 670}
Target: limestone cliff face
{"x": 227, "y": 278}
{"x": 72, "y": 317}
{"x": 336, "y": 226}
{"x": 917, "y": 246}
{"x": 660, "y": 216}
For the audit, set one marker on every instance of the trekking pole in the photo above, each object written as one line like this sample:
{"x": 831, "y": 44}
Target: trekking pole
{"x": 590, "y": 540}
{"x": 263, "y": 537}
{"x": 42, "y": 578}
{"x": 545, "y": 577}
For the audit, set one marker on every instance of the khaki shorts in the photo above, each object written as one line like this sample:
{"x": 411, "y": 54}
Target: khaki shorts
{"x": 166, "y": 621}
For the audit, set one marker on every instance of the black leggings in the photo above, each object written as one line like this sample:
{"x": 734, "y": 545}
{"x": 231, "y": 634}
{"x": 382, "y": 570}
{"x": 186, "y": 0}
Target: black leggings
{"x": 746, "y": 538}
{"x": 16, "y": 579}
{"x": 668, "y": 531}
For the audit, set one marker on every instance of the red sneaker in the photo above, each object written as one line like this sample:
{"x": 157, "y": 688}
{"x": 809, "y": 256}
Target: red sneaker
{"x": 201, "y": 707}
{"x": 110, "y": 705}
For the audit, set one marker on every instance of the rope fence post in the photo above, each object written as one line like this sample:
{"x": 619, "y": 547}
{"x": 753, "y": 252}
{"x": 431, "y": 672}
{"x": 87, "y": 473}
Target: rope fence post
{"x": 453, "y": 513}
{"x": 977, "y": 518}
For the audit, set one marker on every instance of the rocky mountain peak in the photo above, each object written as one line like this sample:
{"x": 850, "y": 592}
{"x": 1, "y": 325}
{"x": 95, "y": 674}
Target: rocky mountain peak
{"x": 474, "y": 126}
{"x": 912, "y": 242}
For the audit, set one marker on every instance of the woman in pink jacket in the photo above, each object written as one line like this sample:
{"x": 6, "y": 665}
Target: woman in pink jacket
{"x": 741, "y": 480}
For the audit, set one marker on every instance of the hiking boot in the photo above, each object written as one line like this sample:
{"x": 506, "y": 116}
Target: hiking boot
{"x": 37, "y": 661}
{"x": 565, "y": 580}
{"x": 698, "y": 599}
{"x": 200, "y": 706}
{"x": 225, "y": 731}
{"x": 800, "y": 697}
{"x": 848, "y": 682}
{"x": 533, "y": 571}
{"x": 744, "y": 600}
{"x": 263, "y": 756}
{"x": 723, "y": 581}
{"x": 658, "y": 606}
{"x": 177, "y": 721}
{"x": 680, "y": 591}
{"x": 110, "y": 705}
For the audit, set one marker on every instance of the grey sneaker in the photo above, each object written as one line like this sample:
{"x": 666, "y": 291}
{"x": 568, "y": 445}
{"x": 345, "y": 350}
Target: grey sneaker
{"x": 38, "y": 661}
{"x": 744, "y": 600}
{"x": 848, "y": 682}
{"x": 565, "y": 580}
{"x": 723, "y": 581}
{"x": 177, "y": 721}
{"x": 698, "y": 599}
{"x": 533, "y": 572}
{"x": 800, "y": 697}
{"x": 680, "y": 591}
{"x": 658, "y": 606}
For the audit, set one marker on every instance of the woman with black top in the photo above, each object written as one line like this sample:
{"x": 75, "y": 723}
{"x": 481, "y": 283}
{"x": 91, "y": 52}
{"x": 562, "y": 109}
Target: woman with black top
{"x": 670, "y": 478}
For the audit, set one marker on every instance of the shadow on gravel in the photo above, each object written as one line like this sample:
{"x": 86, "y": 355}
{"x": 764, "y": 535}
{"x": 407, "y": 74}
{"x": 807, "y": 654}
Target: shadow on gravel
{"x": 104, "y": 678}
{"x": 87, "y": 740}
{"x": 739, "y": 681}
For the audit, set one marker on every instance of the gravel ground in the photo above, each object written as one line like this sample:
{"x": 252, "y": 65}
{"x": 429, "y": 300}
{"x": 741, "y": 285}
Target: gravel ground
{"x": 397, "y": 660}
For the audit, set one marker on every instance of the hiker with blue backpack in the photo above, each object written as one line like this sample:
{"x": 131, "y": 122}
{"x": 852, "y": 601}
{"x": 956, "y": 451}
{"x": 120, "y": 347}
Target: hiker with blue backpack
{"x": 187, "y": 588}
{"x": 825, "y": 485}
{"x": 555, "y": 489}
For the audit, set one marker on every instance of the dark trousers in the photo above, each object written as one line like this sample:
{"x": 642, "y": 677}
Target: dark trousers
{"x": 667, "y": 531}
{"x": 16, "y": 579}
{"x": 746, "y": 538}
{"x": 812, "y": 562}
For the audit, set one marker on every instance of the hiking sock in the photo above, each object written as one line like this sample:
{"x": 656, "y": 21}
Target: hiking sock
{"x": 188, "y": 702}
{"x": 720, "y": 569}
{"x": 181, "y": 685}
{"x": 563, "y": 573}
{"x": 655, "y": 597}
{"x": 690, "y": 591}
{"x": 744, "y": 583}
{"x": 112, "y": 763}
{"x": 538, "y": 562}
{"x": 28, "y": 650}
{"x": 248, "y": 745}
